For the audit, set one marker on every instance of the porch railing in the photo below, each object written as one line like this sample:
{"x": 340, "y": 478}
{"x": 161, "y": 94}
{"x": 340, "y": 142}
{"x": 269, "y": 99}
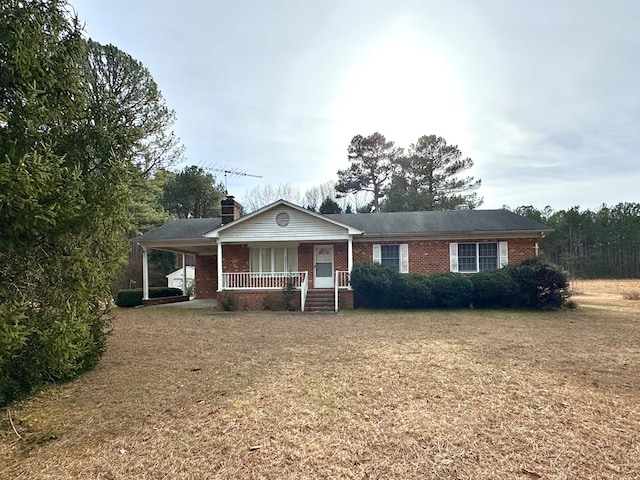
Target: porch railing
{"x": 342, "y": 281}
{"x": 263, "y": 280}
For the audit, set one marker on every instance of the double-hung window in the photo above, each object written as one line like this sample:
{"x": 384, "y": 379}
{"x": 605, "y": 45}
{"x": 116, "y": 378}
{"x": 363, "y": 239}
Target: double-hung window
{"x": 478, "y": 257}
{"x": 273, "y": 259}
{"x": 396, "y": 257}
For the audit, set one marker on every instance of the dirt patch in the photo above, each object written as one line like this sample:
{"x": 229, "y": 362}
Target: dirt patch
{"x": 439, "y": 394}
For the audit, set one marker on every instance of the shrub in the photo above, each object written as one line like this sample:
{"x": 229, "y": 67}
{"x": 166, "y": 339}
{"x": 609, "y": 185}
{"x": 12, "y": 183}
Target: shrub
{"x": 451, "y": 290}
{"x": 133, "y": 297}
{"x": 129, "y": 298}
{"x": 288, "y": 294}
{"x": 531, "y": 284}
{"x": 540, "y": 285}
{"x": 413, "y": 291}
{"x": 228, "y": 302}
{"x": 372, "y": 285}
{"x": 492, "y": 289}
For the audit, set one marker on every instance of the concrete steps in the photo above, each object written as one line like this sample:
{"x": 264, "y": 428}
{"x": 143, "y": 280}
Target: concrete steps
{"x": 320, "y": 300}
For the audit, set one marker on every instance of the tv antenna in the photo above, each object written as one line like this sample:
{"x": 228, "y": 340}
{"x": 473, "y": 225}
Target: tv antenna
{"x": 233, "y": 173}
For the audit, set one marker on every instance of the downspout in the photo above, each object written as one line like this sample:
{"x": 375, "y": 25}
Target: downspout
{"x": 145, "y": 275}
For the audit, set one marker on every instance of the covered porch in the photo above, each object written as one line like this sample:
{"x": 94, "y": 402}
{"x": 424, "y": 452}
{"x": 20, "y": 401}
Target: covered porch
{"x": 255, "y": 271}
{"x": 252, "y": 271}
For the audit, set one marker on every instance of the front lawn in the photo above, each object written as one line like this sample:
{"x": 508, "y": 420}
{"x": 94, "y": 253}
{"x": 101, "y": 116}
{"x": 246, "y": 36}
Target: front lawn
{"x": 445, "y": 394}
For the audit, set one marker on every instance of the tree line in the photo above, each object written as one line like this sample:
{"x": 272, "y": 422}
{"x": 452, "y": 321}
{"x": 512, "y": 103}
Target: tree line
{"x": 599, "y": 243}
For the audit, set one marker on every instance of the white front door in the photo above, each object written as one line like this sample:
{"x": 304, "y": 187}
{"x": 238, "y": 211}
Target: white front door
{"x": 323, "y": 270}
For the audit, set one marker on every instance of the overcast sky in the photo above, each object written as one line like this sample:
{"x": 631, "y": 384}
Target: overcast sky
{"x": 543, "y": 95}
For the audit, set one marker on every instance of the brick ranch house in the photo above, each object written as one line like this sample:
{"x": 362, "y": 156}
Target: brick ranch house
{"x": 253, "y": 256}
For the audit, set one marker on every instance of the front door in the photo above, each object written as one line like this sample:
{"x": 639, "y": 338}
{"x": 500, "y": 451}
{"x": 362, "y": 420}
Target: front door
{"x": 323, "y": 271}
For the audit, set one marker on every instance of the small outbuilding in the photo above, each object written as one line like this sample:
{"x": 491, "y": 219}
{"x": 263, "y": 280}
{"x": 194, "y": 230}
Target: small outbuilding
{"x": 176, "y": 279}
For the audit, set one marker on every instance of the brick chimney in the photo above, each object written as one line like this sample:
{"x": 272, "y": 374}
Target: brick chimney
{"x": 230, "y": 210}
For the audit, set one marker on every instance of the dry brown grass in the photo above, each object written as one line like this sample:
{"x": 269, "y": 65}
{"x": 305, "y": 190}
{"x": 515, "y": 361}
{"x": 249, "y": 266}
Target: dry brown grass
{"x": 449, "y": 395}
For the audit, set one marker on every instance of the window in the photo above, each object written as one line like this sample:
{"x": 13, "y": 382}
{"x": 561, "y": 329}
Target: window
{"x": 395, "y": 257}
{"x": 390, "y": 256}
{"x": 273, "y": 259}
{"x": 478, "y": 257}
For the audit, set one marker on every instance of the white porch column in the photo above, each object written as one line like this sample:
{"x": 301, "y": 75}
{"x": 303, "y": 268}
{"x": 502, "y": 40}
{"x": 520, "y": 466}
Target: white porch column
{"x": 350, "y": 253}
{"x": 145, "y": 275}
{"x": 184, "y": 274}
{"x": 219, "y": 259}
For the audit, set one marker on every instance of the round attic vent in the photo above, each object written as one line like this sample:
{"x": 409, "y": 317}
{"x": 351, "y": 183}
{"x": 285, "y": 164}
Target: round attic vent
{"x": 282, "y": 219}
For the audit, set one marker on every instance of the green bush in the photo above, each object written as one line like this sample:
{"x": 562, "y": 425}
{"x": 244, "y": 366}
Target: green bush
{"x": 129, "y": 298}
{"x": 43, "y": 345}
{"x": 493, "y": 289}
{"x": 133, "y": 297}
{"x": 289, "y": 294}
{"x": 373, "y": 285}
{"x": 540, "y": 285}
{"x": 451, "y": 290}
{"x": 228, "y": 302}
{"x": 531, "y": 284}
{"x": 413, "y": 291}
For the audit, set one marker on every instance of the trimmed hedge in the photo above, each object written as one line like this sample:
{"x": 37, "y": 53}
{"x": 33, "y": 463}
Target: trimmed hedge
{"x": 133, "y": 297}
{"x": 532, "y": 284}
{"x": 493, "y": 289}
{"x": 540, "y": 285}
{"x": 373, "y": 285}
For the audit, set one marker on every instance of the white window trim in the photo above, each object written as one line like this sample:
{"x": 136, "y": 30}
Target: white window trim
{"x": 403, "y": 250}
{"x": 503, "y": 256}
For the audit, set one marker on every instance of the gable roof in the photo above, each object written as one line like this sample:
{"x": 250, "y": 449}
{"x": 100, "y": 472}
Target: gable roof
{"x": 398, "y": 224}
{"x": 440, "y": 222}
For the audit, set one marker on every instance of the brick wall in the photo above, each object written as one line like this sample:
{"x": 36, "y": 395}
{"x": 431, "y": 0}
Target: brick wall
{"x": 345, "y": 299}
{"x": 520, "y": 249}
{"x": 206, "y": 276}
{"x": 251, "y": 300}
{"x": 432, "y": 256}
{"x": 235, "y": 258}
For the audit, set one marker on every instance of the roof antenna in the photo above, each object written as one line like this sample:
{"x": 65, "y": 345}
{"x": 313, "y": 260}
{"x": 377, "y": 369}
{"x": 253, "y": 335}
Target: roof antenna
{"x": 233, "y": 173}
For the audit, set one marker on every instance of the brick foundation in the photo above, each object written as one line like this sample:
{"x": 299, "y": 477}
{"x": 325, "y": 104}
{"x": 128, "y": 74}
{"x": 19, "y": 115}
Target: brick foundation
{"x": 255, "y": 300}
{"x": 345, "y": 299}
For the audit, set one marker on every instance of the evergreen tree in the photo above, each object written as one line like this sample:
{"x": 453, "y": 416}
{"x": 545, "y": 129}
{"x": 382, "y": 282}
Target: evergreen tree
{"x": 329, "y": 205}
{"x": 66, "y": 173}
{"x": 192, "y": 193}
{"x": 429, "y": 179}
{"x": 372, "y": 160}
